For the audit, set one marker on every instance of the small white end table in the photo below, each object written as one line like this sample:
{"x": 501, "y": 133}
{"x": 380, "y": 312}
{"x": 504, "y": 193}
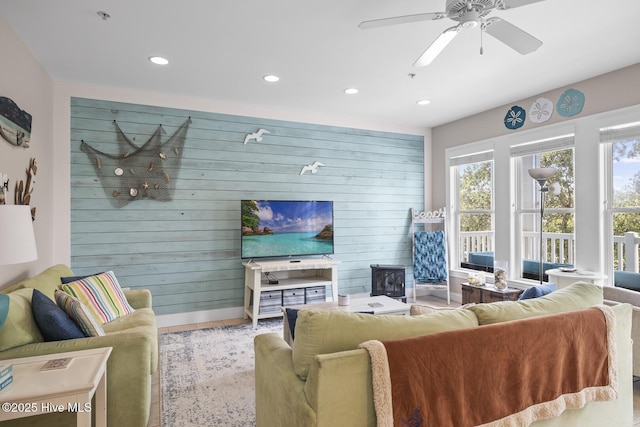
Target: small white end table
{"x": 35, "y": 392}
{"x": 562, "y": 279}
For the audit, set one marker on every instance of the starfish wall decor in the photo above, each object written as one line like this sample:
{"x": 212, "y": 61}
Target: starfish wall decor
{"x": 139, "y": 172}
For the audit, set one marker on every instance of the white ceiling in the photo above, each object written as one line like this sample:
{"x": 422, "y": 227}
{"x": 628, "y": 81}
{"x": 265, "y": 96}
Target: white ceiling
{"x": 220, "y": 49}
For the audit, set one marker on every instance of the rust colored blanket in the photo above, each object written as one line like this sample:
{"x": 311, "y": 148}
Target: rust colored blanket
{"x": 505, "y": 374}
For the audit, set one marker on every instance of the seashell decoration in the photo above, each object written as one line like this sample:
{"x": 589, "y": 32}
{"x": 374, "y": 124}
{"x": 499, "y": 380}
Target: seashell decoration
{"x": 140, "y": 171}
{"x": 541, "y": 110}
{"x": 500, "y": 275}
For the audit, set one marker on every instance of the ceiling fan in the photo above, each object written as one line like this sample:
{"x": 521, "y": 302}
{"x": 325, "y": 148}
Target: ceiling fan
{"x": 468, "y": 14}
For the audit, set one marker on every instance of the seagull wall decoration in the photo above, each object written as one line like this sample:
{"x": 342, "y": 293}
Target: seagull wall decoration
{"x": 313, "y": 168}
{"x": 257, "y": 136}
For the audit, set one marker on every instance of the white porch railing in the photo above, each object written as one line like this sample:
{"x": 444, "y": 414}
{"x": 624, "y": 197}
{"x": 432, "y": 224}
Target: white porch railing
{"x": 560, "y": 247}
{"x": 625, "y": 251}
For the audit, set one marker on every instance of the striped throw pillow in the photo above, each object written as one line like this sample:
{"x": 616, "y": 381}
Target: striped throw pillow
{"x": 79, "y": 313}
{"x": 102, "y": 295}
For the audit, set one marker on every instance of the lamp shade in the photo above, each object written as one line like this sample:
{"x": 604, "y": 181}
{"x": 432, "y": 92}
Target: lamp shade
{"x": 542, "y": 174}
{"x": 17, "y": 240}
{"x": 554, "y": 188}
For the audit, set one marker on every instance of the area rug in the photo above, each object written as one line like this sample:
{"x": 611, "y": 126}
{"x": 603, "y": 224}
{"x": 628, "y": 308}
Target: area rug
{"x": 207, "y": 375}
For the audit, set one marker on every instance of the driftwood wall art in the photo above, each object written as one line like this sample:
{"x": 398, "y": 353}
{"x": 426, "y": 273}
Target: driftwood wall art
{"x": 23, "y": 191}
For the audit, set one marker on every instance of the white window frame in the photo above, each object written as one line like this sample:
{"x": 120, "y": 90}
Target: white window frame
{"x": 504, "y": 193}
{"x": 456, "y": 211}
{"x": 471, "y": 153}
{"x": 518, "y": 151}
{"x": 608, "y": 136}
{"x": 592, "y": 237}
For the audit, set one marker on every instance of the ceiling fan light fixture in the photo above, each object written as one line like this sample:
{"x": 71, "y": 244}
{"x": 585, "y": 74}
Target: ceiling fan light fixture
{"x": 436, "y": 47}
{"x": 470, "y": 19}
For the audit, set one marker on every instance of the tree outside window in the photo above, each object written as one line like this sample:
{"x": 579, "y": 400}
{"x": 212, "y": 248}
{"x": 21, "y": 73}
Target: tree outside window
{"x": 626, "y": 196}
{"x": 558, "y": 222}
{"x": 475, "y": 211}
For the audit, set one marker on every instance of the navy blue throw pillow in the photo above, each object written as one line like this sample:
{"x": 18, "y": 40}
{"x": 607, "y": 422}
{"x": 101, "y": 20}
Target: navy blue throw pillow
{"x": 537, "y": 291}
{"x": 292, "y": 316}
{"x": 70, "y": 279}
{"x": 53, "y": 322}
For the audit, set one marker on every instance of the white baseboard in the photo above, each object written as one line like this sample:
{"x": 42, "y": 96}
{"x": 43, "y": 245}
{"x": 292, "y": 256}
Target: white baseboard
{"x": 202, "y": 316}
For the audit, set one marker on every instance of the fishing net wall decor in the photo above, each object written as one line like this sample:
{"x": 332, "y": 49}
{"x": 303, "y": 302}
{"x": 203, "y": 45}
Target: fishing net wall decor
{"x": 140, "y": 172}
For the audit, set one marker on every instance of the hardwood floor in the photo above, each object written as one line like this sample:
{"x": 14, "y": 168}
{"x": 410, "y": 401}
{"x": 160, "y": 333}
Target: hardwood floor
{"x": 154, "y": 415}
{"x": 155, "y": 418}
{"x": 636, "y": 402}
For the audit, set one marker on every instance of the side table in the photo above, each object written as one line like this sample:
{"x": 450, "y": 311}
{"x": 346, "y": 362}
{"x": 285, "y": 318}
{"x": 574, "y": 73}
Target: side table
{"x": 35, "y": 392}
{"x": 563, "y": 279}
{"x": 487, "y": 293}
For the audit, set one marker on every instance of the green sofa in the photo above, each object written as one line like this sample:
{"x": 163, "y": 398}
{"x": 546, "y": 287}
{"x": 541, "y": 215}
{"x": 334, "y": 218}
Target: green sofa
{"x": 134, "y": 358}
{"x": 616, "y": 295}
{"x": 325, "y": 380}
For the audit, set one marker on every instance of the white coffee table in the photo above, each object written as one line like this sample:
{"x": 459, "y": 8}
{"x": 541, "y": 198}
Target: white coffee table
{"x": 35, "y": 392}
{"x": 380, "y": 304}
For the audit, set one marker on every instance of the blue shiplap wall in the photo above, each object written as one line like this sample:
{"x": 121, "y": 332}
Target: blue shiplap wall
{"x": 187, "y": 251}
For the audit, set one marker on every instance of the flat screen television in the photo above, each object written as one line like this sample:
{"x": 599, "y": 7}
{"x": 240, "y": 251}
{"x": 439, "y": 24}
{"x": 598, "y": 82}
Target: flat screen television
{"x": 286, "y": 228}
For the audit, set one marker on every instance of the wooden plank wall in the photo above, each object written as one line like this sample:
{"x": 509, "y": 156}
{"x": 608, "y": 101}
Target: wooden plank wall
{"x": 187, "y": 250}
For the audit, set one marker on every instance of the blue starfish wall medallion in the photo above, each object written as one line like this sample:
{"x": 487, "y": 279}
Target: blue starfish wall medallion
{"x": 515, "y": 117}
{"x": 570, "y": 103}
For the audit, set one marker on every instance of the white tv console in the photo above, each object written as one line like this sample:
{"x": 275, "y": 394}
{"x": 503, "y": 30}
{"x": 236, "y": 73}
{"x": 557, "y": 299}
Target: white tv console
{"x": 291, "y": 275}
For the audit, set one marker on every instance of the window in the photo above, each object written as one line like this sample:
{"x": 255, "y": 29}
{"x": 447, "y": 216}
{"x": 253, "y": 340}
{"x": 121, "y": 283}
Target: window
{"x": 473, "y": 210}
{"x": 593, "y": 224}
{"x": 622, "y": 153}
{"x": 557, "y": 247}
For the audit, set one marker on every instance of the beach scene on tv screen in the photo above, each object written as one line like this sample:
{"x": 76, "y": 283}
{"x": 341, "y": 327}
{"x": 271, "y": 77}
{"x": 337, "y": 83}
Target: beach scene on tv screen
{"x": 284, "y": 228}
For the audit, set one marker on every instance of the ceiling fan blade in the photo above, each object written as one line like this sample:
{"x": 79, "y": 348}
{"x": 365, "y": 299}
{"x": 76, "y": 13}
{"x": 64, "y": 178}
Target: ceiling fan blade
{"x": 512, "y": 4}
{"x": 437, "y": 46}
{"x": 401, "y": 20}
{"x": 514, "y": 37}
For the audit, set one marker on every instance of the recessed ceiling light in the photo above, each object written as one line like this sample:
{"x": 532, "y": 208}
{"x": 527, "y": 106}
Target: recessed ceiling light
{"x": 271, "y": 78}
{"x": 351, "y": 91}
{"x": 158, "y": 60}
{"x": 423, "y": 102}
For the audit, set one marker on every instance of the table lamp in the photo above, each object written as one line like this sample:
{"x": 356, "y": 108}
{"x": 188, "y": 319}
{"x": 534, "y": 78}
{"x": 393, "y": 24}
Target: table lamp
{"x": 17, "y": 239}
